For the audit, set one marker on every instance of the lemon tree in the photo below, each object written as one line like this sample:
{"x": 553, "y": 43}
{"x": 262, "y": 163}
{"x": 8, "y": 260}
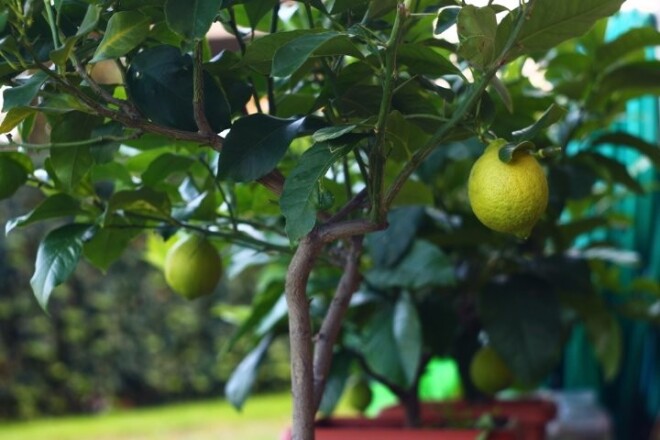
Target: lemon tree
{"x": 334, "y": 139}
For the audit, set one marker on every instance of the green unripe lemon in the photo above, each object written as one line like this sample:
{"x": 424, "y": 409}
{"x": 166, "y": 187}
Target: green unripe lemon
{"x": 488, "y": 371}
{"x": 193, "y": 267}
{"x": 12, "y": 176}
{"x": 508, "y": 197}
{"x": 359, "y": 395}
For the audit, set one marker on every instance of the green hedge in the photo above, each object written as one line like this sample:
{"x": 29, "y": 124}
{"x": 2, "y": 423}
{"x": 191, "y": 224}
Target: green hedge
{"x": 118, "y": 339}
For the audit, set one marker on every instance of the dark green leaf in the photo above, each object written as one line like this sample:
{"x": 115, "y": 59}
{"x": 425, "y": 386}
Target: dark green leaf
{"x": 551, "y": 22}
{"x": 107, "y": 244}
{"x": 124, "y": 32}
{"x": 611, "y": 169}
{"x": 292, "y": 55}
{"x": 254, "y": 146}
{"x": 425, "y": 265}
{"x": 521, "y": 316}
{"x": 446, "y": 19}
{"x": 241, "y": 380}
{"x": 424, "y": 60}
{"x": 407, "y": 332}
{"x": 379, "y": 347}
{"x": 261, "y": 306}
{"x": 333, "y": 132}
{"x": 553, "y": 114}
{"x": 636, "y": 143}
{"x": 257, "y": 9}
{"x": 165, "y": 165}
{"x": 55, "y": 206}
{"x": 570, "y": 231}
{"x": 57, "y": 257}
{"x": 12, "y": 175}
{"x": 259, "y": 54}
{"x": 477, "y": 28}
{"x": 141, "y": 201}
{"x": 90, "y": 20}
{"x": 299, "y": 198}
{"x": 191, "y": 19}
{"x": 71, "y": 164}
{"x": 388, "y": 247}
{"x": 61, "y": 55}
{"x": 160, "y": 81}
{"x": 23, "y": 95}
{"x": 632, "y": 40}
{"x": 603, "y": 330}
{"x": 628, "y": 81}
{"x": 335, "y": 383}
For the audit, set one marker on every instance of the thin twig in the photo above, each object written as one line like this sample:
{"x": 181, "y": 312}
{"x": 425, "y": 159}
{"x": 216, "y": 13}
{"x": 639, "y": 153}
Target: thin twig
{"x": 202, "y": 122}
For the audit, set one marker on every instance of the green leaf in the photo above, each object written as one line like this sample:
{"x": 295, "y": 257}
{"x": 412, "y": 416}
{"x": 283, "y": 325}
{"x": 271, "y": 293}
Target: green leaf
{"x": 259, "y": 54}
{"x": 57, "y": 257}
{"x": 61, "y": 55}
{"x": 300, "y": 195}
{"x": 23, "y": 95}
{"x": 238, "y": 387}
{"x": 257, "y": 9}
{"x": 402, "y": 137}
{"x": 254, "y": 146}
{"x": 387, "y": 247}
{"x": 553, "y": 114}
{"x": 521, "y": 316}
{"x": 636, "y": 143}
{"x": 14, "y": 117}
{"x": 425, "y": 265}
{"x": 72, "y": 163}
{"x": 407, "y": 331}
{"x": 55, "y": 206}
{"x": 379, "y": 347}
{"x": 632, "y": 40}
{"x": 333, "y": 132}
{"x": 165, "y": 165}
{"x": 141, "y": 201}
{"x": 160, "y": 82}
{"x": 292, "y": 55}
{"x": 261, "y": 306}
{"x": 628, "y": 81}
{"x": 603, "y": 330}
{"x": 610, "y": 169}
{"x": 477, "y": 28}
{"x": 91, "y": 19}
{"x": 552, "y": 22}
{"x": 107, "y": 244}
{"x": 424, "y": 60}
{"x": 191, "y": 19}
{"x": 446, "y": 18}
{"x": 124, "y": 32}
{"x": 12, "y": 175}
{"x": 335, "y": 383}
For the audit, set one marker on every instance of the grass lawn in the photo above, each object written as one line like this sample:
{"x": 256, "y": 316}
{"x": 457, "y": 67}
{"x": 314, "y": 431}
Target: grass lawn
{"x": 262, "y": 418}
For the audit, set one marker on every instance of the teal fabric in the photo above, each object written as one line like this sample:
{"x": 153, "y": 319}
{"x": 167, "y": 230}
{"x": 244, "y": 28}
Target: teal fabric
{"x": 633, "y": 398}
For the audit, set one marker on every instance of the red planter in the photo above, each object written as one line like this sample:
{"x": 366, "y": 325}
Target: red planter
{"x": 524, "y": 420}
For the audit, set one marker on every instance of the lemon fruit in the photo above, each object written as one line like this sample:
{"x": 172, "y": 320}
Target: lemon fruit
{"x": 508, "y": 197}
{"x": 12, "y": 176}
{"x": 488, "y": 371}
{"x": 193, "y": 267}
{"x": 359, "y": 395}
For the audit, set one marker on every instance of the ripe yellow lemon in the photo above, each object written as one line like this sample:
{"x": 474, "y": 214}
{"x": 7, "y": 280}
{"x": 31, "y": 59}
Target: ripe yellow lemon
{"x": 508, "y": 197}
{"x": 488, "y": 371}
{"x": 193, "y": 267}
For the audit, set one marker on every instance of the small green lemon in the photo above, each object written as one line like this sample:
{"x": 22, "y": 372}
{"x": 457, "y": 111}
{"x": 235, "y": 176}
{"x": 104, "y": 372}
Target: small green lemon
{"x": 12, "y": 176}
{"x": 508, "y": 197}
{"x": 359, "y": 394}
{"x": 193, "y": 267}
{"x": 488, "y": 371}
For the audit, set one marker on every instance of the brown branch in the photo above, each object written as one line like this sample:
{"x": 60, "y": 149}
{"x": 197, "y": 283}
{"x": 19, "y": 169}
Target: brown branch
{"x": 352, "y": 205}
{"x": 330, "y": 232}
{"x": 327, "y": 335}
{"x": 300, "y": 337}
{"x": 203, "y": 125}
